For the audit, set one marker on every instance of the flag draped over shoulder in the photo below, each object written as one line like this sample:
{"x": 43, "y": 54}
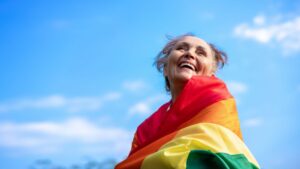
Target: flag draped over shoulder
{"x": 199, "y": 130}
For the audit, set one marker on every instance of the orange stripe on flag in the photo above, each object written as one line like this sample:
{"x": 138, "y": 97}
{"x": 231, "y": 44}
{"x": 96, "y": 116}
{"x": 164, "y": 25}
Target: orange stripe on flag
{"x": 135, "y": 160}
{"x": 222, "y": 112}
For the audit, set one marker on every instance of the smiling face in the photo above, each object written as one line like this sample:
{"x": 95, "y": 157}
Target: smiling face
{"x": 190, "y": 56}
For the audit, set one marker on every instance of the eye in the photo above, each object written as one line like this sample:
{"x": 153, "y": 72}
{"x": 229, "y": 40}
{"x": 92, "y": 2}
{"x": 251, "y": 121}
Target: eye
{"x": 182, "y": 47}
{"x": 201, "y": 52}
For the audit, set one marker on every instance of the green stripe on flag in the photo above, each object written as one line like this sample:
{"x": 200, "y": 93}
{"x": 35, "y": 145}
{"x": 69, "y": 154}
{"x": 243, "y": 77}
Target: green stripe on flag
{"x": 201, "y": 159}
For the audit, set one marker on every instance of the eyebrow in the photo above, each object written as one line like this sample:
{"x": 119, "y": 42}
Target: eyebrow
{"x": 183, "y": 43}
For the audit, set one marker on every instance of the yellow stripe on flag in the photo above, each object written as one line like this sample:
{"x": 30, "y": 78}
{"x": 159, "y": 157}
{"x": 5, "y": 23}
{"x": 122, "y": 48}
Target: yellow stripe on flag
{"x": 201, "y": 136}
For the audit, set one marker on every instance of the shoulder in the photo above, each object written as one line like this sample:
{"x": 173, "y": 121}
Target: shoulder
{"x": 150, "y": 126}
{"x": 152, "y": 120}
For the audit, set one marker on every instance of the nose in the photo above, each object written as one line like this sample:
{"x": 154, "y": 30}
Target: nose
{"x": 189, "y": 54}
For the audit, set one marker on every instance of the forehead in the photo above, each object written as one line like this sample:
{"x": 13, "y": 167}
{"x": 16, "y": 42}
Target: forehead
{"x": 194, "y": 41}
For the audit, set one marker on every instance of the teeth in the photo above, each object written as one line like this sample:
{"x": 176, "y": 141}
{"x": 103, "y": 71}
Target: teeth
{"x": 187, "y": 65}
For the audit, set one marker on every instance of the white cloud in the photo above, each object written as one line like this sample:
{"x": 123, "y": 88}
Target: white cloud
{"x": 237, "y": 88}
{"x": 141, "y": 108}
{"x": 259, "y": 20}
{"x": 253, "y": 122}
{"x": 134, "y": 86}
{"x": 286, "y": 34}
{"x": 75, "y": 104}
{"x": 145, "y": 107}
{"x": 55, "y": 137}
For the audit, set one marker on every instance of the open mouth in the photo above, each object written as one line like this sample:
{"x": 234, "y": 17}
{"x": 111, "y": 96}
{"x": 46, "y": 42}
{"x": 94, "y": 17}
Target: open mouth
{"x": 187, "y": 65}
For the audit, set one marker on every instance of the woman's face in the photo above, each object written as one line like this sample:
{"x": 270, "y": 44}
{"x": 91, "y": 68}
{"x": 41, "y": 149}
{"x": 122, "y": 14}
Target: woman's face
{"x": 190, "y": 56}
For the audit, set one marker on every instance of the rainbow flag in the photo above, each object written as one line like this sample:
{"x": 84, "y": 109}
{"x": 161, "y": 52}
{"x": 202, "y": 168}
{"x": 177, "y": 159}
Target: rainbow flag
{"x": 200, "y": 130}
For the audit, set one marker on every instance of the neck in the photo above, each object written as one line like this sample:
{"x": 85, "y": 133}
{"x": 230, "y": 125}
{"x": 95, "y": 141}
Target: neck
{"x": 176, "y": 90}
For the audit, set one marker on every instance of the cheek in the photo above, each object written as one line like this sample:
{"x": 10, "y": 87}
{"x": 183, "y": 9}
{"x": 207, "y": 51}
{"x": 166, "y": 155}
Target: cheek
{"x": 169, "y": 69}
{"x": 174, "y": 56}
{"x": 172, "y": 62}
{"x": 207, "y": 66}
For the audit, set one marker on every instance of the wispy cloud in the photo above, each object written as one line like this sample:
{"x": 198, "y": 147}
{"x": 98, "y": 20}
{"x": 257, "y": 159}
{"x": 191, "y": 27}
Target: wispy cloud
{"x": 237, "y": 88}
{"x": 145, "y": 107}
{"x": 285, "y": 33}
{"x": 253, "y": 122}
{"x": 134, "y": 86}
{"x": 259, "y": 20}
{"x": 54, "y": 137}
{"x": 74, "y": 104}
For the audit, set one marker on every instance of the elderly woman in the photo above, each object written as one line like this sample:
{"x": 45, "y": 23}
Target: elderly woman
{"x": 199, "y": 126}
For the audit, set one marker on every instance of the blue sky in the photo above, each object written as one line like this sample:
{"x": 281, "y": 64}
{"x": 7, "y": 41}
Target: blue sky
{"x": 77, "y": 76}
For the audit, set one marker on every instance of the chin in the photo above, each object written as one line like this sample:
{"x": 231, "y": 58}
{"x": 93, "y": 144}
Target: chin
{"x": 185, "y": 77}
